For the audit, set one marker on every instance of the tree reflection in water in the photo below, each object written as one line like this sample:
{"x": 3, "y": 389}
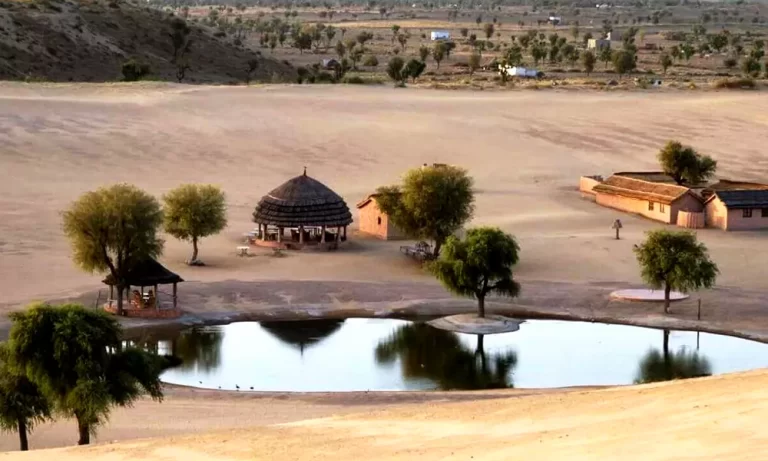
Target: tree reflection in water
{"x": 440, "y": 356}
{"x": 665, "y": 366}
{"x": 302, "y": 333}
{"x": 198, "y": 348}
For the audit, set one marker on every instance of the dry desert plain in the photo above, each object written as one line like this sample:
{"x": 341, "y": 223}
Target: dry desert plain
{"x": 525, "y": 151}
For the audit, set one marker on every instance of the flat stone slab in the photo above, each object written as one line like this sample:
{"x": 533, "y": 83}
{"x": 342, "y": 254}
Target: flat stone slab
{"x": 647, "y": 295}
{"x": 472, "y": 324}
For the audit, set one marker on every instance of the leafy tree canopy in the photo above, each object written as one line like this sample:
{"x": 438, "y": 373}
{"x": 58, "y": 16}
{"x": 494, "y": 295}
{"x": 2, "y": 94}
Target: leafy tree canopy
{"x": 22, "y": 405}
{"x": 675, "y": 260}
{"x": 432, "y": 203}
{"x": 684, "y": 165}
{"x": 112, "y": 229}
{"x": 74, "y": 356}
{"x": 194, "y": 211}
{"x": 478, "y": 265}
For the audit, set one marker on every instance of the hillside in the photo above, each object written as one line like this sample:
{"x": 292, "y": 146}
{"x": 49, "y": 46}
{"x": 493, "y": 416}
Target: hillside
{"x": 89, "y": 40}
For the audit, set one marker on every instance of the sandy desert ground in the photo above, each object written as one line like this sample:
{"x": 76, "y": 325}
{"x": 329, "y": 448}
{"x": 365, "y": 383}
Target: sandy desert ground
{"x": 712, "y": 418}
{"x": 525, "y": 150}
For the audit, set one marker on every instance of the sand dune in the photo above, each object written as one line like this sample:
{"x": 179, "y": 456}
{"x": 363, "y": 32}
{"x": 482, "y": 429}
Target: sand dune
{"x": 524, "y": 149}
{"x": 711, "y": 418}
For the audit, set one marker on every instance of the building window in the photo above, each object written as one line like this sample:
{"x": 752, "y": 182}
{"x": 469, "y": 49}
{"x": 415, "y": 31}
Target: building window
{"x": 650, "y": 206}
{"x": 661, "y": 207}
{"x": 379, "y": 220}
{"x": 747, "y": 213}
{"x": 764, "y": 212}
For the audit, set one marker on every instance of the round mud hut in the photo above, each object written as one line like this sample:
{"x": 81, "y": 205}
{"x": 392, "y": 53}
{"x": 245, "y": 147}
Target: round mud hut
{"x": 301, "y": 213}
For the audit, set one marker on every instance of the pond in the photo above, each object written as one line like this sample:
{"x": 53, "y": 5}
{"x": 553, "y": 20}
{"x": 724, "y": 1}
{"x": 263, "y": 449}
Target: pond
{"x": 397, "y": 355}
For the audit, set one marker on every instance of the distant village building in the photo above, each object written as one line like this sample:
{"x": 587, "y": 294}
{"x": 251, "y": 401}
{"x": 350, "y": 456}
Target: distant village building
{"x": 555, "y": 20}
{"x": 601, "y": 43}
{"x": 375, "y": 222}
{"x": 732, "y": 205}
{"x": 727, "y": 205}
{"x": 440, "y": 35}
{"x": 638, "y": 193}
{"x": 517, "y": 71}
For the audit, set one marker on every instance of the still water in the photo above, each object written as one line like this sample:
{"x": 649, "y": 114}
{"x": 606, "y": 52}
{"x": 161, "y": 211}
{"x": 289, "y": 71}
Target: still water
{"x": 379, "y": 354}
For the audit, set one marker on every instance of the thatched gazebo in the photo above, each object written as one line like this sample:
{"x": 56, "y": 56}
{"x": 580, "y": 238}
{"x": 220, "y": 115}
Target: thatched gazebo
{"x": 313, "y": 213}
{"x": 147, "y": 304}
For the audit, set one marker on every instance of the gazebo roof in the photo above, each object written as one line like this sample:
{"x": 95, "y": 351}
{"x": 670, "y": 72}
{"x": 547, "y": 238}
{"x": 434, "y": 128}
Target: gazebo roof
{"x": 302, "y": 201}
{"x": 146, "y": 273}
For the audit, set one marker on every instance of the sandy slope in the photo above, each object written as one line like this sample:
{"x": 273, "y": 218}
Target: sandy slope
{"x": 713, "y": 418}
{"x": 524, "y": 149}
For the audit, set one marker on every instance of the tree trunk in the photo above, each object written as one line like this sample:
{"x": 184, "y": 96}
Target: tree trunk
{"x": 667, "y": 289}
{"x": 84, "y": 430}
{"x": 23, "y": 443}
{"x": 438, "y": 245}
{"x": 481, "y": 306}
{"x": 480, "y": 348}
{"x": 120, "y": 300}
{"x": 194, "y": 250}
{"x": 666, "y": 345}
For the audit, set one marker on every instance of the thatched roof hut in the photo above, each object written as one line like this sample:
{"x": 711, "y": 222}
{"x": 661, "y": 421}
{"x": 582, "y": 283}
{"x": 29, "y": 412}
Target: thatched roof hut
{"x": 302, "y": 201}
{"x": 314, "y": 214}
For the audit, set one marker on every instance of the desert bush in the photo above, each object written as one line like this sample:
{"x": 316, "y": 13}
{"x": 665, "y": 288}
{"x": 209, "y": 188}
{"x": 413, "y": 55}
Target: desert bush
{"x": 134, "y": 70}
{"x": 324, "y": 77}
{"x": 734, "y": 83}
{"x": 353, "y": 80}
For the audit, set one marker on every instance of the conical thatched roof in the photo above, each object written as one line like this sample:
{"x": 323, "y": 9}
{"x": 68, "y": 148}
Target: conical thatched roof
{"x": 302, "y": 201}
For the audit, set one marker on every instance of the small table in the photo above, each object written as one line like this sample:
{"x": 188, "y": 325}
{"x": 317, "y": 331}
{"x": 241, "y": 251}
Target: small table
{"x": 242, "y": 251}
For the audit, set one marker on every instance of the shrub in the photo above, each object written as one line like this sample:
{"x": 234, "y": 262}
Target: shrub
{"x": 324, "y": 77}
{"x": 734, "y": 83}
{"x": 354, "y": 80}
{"x": 134, "y": 70}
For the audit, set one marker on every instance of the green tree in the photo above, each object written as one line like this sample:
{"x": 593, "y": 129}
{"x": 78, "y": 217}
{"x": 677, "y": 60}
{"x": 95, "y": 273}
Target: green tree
{"x": 684, "y": 164}
{"x": 341, "y": 50}
{"x": 424, "y": 53}
{"x": 674, "y": 260}
{"x": 182, "y": 43}
{"x": 750, "y": 67}
{"x": 22, "y": 405}
{"x": 395, "y": 31}
{"x": 112, "y": 229}
{"x": 513, "y": 56}
{"x": 371, "y": 61}
{"x": 395, "y": 70}
{"x": 569, "y": 53}
{"x": 606, "y": 55}
{"x": 478, "y": 265}
{"x": 432, "y": 203}
{"x": 464, "y": 31}
{"x": 588, "y": 59}
{"x": 402, "y": 39}
{"x": 438, "y": 53}
{"x": 473, "y": 63}
{"x": 363, "y": 37}
{"x": 488, "y": 29}
{"x": 666, "y": 61}
{"x": 355, "y": 55}
{"x": 74, "y": 356}
{"x": 623, "y": 62}
{"x": 194, "y": 211}
{"x": 134, "y": 70}
{"x": 303, "y": 41}
{"x": 413, "y": 69}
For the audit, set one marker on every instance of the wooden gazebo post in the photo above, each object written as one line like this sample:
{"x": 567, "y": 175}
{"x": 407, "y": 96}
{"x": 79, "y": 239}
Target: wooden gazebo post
{"x": 338, "y": 233}
{"x": 345, "y": 234}
{"x": 174, "y": 295}
{"x": 322, "y": 236}
{"x": 301, "y": 234}
{"x": 279, "y": 234}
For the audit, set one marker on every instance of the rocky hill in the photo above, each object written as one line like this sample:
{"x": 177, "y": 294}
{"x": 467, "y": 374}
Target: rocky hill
{"x": 89, "y": 40}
